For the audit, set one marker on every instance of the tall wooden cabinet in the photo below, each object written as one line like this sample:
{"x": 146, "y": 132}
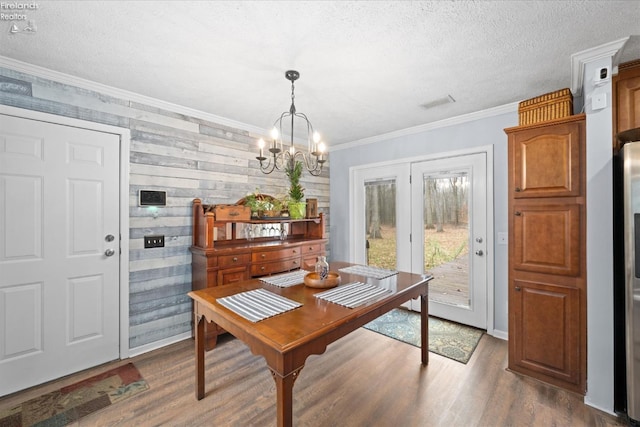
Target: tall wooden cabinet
{"x": 547, "y": 251}
{"x": 222, "y": 254}
{"x": 626, "y": 99}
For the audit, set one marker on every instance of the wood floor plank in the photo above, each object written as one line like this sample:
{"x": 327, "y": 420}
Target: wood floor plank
{"x": 364, "y": 379}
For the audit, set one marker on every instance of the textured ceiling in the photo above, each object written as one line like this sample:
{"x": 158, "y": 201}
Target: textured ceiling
{"x": 367, "y": 68}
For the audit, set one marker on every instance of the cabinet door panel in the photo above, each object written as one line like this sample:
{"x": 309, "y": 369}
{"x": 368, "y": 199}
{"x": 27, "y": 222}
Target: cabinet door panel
{"x": 546, "y": 164}
{"x": 232, "y": 275}
{"x": 544, "y": 330}
{"x": 628, "y": 102}
{"x": 546, "y": 238}
{"x": 309, "y": 261}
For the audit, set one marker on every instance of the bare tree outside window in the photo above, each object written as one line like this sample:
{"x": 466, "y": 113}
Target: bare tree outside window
{"x": 445, "y": 212}
{"x": 380, "y": 209}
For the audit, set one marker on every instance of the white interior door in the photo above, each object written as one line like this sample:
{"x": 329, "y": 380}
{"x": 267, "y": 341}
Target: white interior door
{"x": 449, "y": 235}
{"x": 59, "y": 251}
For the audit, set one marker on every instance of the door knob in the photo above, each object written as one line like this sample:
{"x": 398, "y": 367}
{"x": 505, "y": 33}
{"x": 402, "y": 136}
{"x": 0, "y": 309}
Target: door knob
{"x": 479, "y": 239}
{"x": 479, "y": 253}
{"x": 109, "y": 238}
{"x": 109, "y": 252}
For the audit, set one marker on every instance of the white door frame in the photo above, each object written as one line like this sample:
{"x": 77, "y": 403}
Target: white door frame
{"x": 488, "y": 150}
{"x": 125, "y": 141}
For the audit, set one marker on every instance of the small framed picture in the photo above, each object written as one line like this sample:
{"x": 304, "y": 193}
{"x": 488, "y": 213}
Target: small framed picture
{"x": 312, "y": 208}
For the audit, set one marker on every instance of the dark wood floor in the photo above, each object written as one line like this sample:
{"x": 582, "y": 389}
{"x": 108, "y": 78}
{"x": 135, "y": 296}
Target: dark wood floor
{"x": 364, "y": 379}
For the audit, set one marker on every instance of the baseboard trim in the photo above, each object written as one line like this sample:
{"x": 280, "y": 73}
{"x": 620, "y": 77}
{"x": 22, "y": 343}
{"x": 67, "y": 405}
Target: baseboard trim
{"x": 158, "y": 344}
{"x": 599, "y": 408}
{"x": 503, "y": 335}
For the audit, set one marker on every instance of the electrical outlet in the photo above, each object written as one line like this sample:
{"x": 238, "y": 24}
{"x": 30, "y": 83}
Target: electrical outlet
{"x": 154, "y": 242}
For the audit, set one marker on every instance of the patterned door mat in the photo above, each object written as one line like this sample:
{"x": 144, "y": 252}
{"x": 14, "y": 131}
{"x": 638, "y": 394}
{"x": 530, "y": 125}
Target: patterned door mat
{"x": 446, "y": 338}
{"x": 68, "y": 404}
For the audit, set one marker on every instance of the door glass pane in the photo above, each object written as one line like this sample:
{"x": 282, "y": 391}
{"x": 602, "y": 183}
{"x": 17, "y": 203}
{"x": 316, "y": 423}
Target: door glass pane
{"x": 380, "y": 222}
{"x": 446, "y": 237}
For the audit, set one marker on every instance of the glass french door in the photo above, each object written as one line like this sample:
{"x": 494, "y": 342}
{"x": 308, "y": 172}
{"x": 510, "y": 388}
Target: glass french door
{"x": 381, "y": 226}
{"x": 428, "y": 217}
{"x": 449, "y": 237}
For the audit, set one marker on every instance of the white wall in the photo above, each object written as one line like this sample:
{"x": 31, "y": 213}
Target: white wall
{"x": 599, "y": 244}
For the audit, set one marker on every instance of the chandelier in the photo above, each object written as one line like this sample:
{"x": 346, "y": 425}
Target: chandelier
{"x": 280, "y": 158}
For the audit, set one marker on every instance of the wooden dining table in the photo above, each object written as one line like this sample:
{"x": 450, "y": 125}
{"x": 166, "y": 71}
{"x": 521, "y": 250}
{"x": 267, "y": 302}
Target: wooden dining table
{"x": 286, "y": 340}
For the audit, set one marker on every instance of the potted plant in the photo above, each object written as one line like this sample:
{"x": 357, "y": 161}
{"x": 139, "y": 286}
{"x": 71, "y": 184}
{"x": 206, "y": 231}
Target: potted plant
{"x": 272, "y": 207}
{"x": 255, "y": 202}
{"x": 297, "y": 208}
{"x": 284, "y": 202}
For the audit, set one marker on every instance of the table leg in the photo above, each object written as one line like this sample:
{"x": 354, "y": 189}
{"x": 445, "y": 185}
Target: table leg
{"x": 284, "y": 396}
{"x": 201, "y": 342}
{"x": 200, "y": 338}
{"x": 424, "y": 328}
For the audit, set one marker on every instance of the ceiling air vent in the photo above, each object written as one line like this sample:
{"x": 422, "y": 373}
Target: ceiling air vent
{"x": 437, "y": 102}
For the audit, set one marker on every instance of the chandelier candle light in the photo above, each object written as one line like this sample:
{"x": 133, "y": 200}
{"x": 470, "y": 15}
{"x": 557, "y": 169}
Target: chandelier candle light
{"x": 281, "y": 158}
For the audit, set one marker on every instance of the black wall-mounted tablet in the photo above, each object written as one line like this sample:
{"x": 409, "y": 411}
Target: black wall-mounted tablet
{"x": 152, "y": 198}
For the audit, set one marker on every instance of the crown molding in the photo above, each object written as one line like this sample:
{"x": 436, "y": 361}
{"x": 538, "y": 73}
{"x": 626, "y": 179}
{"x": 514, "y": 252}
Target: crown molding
{"x": 580, "y": 59}
{"x": 68, "y": 79}
{"x": 482, "y": 114}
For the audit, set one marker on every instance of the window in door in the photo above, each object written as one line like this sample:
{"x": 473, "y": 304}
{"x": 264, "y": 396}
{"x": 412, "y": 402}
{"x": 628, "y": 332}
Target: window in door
{"x": 381, "y": 235}
{"x": 380, "y": 220}
{"x": 446, "y": 236}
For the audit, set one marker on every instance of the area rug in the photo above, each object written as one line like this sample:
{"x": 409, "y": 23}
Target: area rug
{"x": 73, "y": 402}
{"x": 447, "y": 339}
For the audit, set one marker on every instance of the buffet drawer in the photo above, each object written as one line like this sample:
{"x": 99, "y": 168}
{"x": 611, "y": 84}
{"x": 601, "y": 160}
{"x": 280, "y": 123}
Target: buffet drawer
{"x": 262, "y": 269}
{"x": 312, "y": 248}
{"x": 264, "y": 255}
{"x": 233, "y": 260}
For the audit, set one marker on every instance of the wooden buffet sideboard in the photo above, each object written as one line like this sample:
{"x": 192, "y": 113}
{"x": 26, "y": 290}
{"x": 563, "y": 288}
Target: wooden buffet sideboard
{"x": 229, "y": 251}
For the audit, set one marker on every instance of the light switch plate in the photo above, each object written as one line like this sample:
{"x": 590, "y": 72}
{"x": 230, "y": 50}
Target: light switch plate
{"x": 154, "y": 241}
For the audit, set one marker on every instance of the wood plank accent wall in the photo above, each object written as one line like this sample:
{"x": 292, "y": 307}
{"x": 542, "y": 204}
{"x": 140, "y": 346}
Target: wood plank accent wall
{"x": 185, "y": 156}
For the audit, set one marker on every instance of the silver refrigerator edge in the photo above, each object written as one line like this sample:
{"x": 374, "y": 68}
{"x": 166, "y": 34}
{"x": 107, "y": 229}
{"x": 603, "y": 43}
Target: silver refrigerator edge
{"x": 627, "y": 280}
